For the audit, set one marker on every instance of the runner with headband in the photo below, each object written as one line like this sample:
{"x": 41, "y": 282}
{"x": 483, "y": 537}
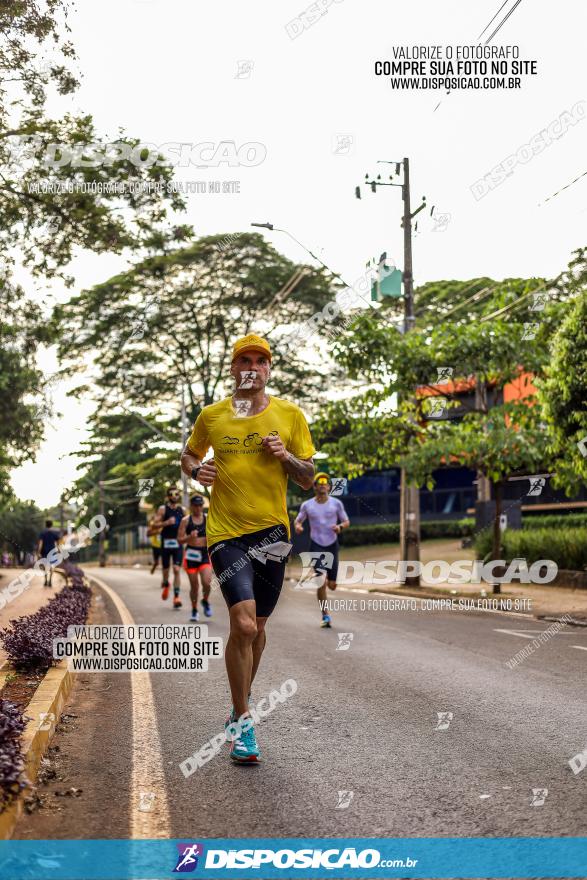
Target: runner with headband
{"x": 169, "y": 517}
{"x": 327, "y": 518}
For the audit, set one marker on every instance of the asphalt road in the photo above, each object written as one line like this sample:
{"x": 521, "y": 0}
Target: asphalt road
{"x": 364, "y": 720}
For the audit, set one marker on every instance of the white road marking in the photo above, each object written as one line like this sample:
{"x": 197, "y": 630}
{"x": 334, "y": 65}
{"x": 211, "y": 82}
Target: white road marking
{"x": 514, "y": 632}
{"x": 559, "y": 632}
{"x": 535, "y": 632}
{"x": 147, "y": 761}
{"x": 579, "y": 647}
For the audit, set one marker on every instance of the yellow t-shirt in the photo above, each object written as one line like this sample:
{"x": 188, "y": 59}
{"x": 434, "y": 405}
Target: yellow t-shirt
{"x": 248, "y": 493}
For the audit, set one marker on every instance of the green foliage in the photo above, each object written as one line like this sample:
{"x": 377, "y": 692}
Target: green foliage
{"x": 20, "y": 525}
{"x": 506, "y": 441}
{"x": 47, "y": 213}
{"x": 36, "y": 63}
{"x": 23, "y": 395}
{"x": 122, "y": 449}
{"x": 50, "y": 225}
{"x": 563, "y": 394}
{"x": 554, "y": 521}
{"x": 565, "y": 546}
{"x": 173, "y": 318}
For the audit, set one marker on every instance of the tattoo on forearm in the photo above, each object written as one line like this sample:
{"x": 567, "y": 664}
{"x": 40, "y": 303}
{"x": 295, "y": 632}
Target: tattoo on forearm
{"x": 300, "y": 471}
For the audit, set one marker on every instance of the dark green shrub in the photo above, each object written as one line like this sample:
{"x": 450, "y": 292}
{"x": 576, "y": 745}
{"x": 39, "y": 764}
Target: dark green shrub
{"x": 554, "y": 521}
{"x": 565, "y": 546}
{"x": 385, "y": 533}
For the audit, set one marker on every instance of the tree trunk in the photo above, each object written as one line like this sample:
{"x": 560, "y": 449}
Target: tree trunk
{"x": 496, "y": 550}
{"x": 483, "y": 484}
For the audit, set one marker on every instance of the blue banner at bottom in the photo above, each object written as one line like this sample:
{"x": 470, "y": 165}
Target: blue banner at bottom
{"x": 304, "y": 858}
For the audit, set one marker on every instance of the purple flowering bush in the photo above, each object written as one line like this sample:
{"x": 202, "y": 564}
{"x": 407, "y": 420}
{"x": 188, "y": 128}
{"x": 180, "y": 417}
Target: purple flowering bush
{"x": 12, "y": 725}
{"x": 28, "y": 641}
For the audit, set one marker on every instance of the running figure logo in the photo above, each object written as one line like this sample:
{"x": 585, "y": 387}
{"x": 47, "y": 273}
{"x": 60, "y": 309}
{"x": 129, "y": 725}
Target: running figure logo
{"x": 441, "y": 222}
{"x": 338, "y": 486}
{"x": 315, "y": 564}
{"x": 187, "y": 860}
{"x": 436, "y": 407}
{"x": 247, "y": 378}
{"x": 443, "y": 375}
{"x": 342, "y": 144}
{"x": 444, "y": 719}
{"x": 344, "y": 800}
{"x": 537, "y": 484}
{"x": 244, "y": 68}
{"x": 45, "y": 720}
{"x": 539, "y": 795}
{"x": 242, "y": 407}
{"x": 539, "y": 300}
{"x": 145, "y": 487}
{"x": 530, "y": 330}
{"x": 344, "y": 641}
{"x": 146, "y": 799}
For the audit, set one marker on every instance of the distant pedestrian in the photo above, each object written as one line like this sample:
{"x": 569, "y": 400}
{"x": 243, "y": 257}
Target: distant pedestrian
{"x": 48, "y": 540}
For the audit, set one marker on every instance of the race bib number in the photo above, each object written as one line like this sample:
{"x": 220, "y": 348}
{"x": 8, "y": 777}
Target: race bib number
{"x": 193, "y": 555}
{"x": 170, "y": 544}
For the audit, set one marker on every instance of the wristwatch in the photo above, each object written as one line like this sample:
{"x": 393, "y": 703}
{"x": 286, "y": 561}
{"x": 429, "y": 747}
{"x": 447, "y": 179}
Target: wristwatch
{"x": 196, "y": 471}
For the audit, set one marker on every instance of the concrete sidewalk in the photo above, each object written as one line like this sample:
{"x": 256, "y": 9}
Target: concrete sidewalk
{"x": 29, "y": 601}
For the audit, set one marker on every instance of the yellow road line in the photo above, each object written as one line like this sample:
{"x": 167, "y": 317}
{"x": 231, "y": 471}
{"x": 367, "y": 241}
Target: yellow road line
{"x": 148, "y": 789}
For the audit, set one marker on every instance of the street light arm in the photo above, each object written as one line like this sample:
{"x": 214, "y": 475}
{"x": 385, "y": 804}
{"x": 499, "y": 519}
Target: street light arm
{"x": 303, "y": 246}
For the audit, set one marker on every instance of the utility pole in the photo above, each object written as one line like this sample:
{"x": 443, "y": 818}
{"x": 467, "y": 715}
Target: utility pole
{"x": 409, "y": 495}
{"x": 184, "y": 438}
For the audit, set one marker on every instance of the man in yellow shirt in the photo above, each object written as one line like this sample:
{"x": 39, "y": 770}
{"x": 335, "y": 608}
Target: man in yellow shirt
{"x": 258, "y": 442}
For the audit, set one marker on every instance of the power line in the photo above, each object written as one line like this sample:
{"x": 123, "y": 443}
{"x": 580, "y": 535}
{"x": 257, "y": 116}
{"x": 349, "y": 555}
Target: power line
{"x": 518, "y": 301}
{"x": 558, "y": 192}
{"x": 493, "y": 19}
{"x": 477, "y": 297}
{"x": 503, "y": 21}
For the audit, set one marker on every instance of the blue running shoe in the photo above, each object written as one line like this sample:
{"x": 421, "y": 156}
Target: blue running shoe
{"x": 325, "y": 620}
{"x": 244, "y": 749}
{"x": 195, "y": 616}
{"x": 207, "y": 608}
{"x": 230, "y": 720}
{"x": 233, "y": 717}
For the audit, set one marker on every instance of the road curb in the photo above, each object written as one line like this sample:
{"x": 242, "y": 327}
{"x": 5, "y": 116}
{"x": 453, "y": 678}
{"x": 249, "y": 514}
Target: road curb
{"x": 560, "y": 618}
{"x": 43, "y": 712}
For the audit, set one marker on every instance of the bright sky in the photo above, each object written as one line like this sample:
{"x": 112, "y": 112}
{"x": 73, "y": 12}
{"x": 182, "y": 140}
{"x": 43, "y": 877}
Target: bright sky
{"x": 166, "y": 71}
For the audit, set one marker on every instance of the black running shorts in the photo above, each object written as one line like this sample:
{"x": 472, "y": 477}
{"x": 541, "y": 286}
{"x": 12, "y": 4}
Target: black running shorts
{"x": 243, "y": 575}
{"x": 171, "y": 554}
{"x": 325, "y": 559}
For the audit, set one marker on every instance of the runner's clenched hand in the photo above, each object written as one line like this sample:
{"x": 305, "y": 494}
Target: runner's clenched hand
{"x": 274, "y": 444}
{"x": 207, "y": 473}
